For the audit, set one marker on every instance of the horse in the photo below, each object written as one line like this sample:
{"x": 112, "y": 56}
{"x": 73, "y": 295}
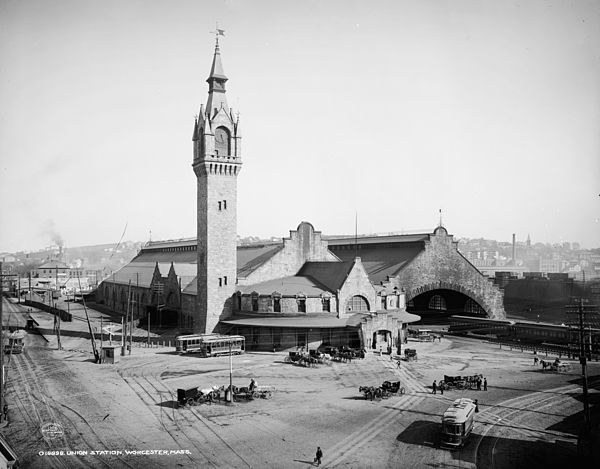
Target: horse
{"x": 545, "y": 364}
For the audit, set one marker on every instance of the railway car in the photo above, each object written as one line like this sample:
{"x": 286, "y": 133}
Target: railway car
{"x": 480, "y": 326}
{"x": 14, "y": 342}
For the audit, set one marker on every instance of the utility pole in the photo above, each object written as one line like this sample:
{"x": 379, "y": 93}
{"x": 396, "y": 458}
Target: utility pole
{"x": 125, "y": 323}
{"x": 1, "y": 344}
{"x": 230, "y": 373}
{"x": 56, "y": 312}
{"x": 580, "y": 308}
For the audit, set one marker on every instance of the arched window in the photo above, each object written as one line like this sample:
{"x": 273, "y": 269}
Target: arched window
{"x": 437, "y": 302}
{"x": 357, "y": 304}
{"x": 222, "y": 141}
{"x": 472, "y": 307}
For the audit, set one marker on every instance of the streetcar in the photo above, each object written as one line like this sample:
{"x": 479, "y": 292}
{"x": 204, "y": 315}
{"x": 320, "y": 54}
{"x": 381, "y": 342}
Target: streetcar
{"x": 457, "y": 422}
{"x": 14, "y": 341}
{"x": 210, "y": 345}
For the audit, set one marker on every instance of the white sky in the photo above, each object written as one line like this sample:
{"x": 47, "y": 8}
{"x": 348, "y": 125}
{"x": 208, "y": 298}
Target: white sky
{"x": 489, "y": 110}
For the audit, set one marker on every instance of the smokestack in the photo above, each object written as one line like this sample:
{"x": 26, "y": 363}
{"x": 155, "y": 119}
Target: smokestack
{"x": 514, "y": 251}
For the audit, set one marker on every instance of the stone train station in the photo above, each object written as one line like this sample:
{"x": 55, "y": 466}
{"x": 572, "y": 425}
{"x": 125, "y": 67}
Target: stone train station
{"x": 304, "y": 291}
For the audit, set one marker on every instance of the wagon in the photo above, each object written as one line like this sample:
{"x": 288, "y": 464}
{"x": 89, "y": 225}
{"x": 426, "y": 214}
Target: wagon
{"x": 392, "y": 387}
{"x": 293, "y": 357}
{"x": 263, "y": 392}
{"x": 372, "y": 392}
{"x": 194, "y": 396}
{"x": 410, "y": 354}
{"x": 461, "y": 382}
{"x": 242, "y": 392}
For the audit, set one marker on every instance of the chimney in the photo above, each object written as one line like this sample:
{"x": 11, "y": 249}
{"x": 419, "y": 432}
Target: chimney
{"x": 514, "y": 256}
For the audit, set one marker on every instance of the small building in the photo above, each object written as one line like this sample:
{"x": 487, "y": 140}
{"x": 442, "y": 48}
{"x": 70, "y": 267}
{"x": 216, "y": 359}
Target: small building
{"x": 110, "y": 354}
{"x": 53, "y": 269}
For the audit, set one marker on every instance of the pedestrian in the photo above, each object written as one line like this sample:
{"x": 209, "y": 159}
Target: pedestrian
{"x": 441, "y": 387}
{"x": 479, "y": 384}
{"x": 398, "y": 365}
{"x": 434, "y": 387}
{"x": 485, "y": 384}
{"x": 5, "y": 411}
{"x": 318, "y": 456}
{"x": 535, "y": 360}
{"x": 476, "y": 406}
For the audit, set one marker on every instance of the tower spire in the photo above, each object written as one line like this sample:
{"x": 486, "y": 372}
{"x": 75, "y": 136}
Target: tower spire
{"x": 216, "y": 80}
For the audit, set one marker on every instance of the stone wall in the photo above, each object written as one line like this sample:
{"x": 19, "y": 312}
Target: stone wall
{"x": 357, "y": 283}
{"x": 304, "y": 244}
{"x": 441, "y": 266}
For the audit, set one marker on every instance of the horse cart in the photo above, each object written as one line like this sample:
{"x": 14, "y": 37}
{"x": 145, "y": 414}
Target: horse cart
{"x": 302, "y": 359}
{"x": 386, "y": 390}
{"x": 392, "y": 387}
{"x": 195, "y": 396}
{"x": 410, "y": 354}
{"x": 461, "y": 382}
{"x": 556, "y": 365}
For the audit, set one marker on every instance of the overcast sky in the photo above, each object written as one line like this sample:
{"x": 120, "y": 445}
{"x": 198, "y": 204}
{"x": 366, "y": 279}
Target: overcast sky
{"x": 392, "y": 110}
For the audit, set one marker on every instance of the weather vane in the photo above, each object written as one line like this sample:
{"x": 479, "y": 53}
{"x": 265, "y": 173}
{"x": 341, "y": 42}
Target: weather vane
{"x": 218, "y": 32}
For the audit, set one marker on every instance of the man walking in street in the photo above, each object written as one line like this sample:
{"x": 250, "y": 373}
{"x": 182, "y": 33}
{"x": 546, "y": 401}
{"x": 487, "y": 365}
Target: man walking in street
{"x": 318, "y": 456}
{"x": 485, "y": 384}
{"x": 434, "y": 386}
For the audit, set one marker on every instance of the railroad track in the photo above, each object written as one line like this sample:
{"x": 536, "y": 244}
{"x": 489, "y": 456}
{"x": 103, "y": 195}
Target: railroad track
{"x": 510, "y": 413}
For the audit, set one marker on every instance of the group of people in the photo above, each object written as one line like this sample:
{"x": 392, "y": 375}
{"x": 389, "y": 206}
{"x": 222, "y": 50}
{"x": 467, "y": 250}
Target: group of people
{"x": 441, "y": 386}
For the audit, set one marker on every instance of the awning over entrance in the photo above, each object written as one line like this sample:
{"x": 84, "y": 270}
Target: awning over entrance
{"x": 402, "y": 315}
{"x": 315, "y": 322}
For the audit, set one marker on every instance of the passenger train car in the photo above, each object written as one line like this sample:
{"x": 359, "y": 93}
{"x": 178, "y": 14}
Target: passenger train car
{"x": 527, "y": 332}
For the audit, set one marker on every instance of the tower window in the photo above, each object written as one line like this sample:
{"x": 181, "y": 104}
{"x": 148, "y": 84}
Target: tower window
{"x": 219, "y": 205}
{"x": 224, "y": 205}
{"x": 220, "y": 282}
{"x": 225, "y": 280}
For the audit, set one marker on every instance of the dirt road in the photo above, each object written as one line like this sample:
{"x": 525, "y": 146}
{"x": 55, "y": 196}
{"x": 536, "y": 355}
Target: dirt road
{"x": 125, "y": 415}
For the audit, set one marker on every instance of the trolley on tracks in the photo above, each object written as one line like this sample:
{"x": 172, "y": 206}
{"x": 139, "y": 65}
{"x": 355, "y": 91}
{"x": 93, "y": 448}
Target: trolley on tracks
{"x": 210, "y": 345}
{"x": 457, "y": 422}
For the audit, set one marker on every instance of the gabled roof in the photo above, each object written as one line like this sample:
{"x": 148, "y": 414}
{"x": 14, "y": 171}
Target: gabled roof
{"x": 138, "y": 273}
{"x": 331, "y": 275}
{"x": 249, "y": 258}
{"x": 141, "y": 273}
{"x": 381, "y": 256}
{"x": 53, "y": 265}
{"x": 286, "y": 286}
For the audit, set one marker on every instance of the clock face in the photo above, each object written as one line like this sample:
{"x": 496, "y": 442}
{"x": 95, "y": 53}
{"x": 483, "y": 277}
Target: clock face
{"x": 222, "y": 141}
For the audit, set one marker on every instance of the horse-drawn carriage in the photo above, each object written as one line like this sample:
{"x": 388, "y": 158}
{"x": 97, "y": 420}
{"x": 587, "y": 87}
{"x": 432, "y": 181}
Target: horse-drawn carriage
{"x": 196, "y": 396}
{"x": 302, "y": 359}
{"x": 556, "y": 365}
{"x": 461, "y": 382}
{"x": 248, "y": 392}
{"x": 410, "y": 354}
{"x": 386, "y": 390}
{"x": 344, "y": 354}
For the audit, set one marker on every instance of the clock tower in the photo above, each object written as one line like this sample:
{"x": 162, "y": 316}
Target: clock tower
{"x": 217, "y": 163}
